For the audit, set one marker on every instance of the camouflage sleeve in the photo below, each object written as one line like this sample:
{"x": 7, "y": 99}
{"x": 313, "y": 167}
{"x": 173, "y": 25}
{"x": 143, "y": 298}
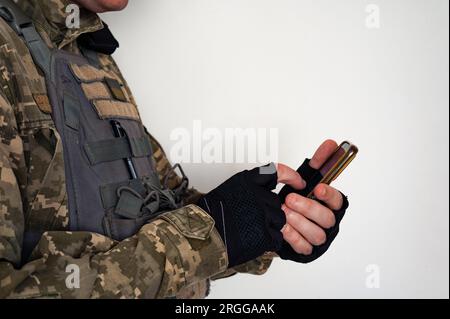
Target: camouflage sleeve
{"x": 258, "y": 266}
{"x": 177, "y": 250}
{"x": 159, "y": 261}
{"x": 11, "y": 169}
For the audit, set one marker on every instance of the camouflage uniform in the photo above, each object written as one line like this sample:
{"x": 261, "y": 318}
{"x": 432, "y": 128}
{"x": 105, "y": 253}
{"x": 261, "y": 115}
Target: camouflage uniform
{"x": 175, "y": 255}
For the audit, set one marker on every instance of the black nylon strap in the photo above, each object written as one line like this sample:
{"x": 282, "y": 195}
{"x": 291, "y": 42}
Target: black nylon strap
{"x": 141, "y": 147}
{"x": 91, "y": 56}
{"x": 13, "y": 15}
{"x": 30, "y": 241}
{"x": 38, "y": 49}
{"x": 117, "y": 149}
{"x": 71, "y": 111}
{"x": 107, "y": 150}
{"x": 25, "y": 28}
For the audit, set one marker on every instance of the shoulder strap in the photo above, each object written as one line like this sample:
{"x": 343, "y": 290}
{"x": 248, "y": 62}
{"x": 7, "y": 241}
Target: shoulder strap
{"x": 25, "y": 28}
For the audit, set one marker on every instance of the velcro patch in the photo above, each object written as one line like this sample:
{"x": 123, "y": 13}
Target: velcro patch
{"x": 43, "y": 102}
{"x": 107, "y": 109}
{"x": 116, "y": 89}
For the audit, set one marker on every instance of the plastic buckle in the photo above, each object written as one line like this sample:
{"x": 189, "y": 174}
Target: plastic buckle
{"x": 14, "y": 16}
{"x": 129, "y": 204}
{"x": 184, "y": 179}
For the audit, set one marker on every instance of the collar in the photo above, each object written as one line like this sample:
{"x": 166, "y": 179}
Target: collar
{"x": 50, "y": 17}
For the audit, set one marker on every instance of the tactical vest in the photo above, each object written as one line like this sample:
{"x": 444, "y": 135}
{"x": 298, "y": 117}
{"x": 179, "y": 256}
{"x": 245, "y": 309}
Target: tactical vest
{"x": 111, "y": 181}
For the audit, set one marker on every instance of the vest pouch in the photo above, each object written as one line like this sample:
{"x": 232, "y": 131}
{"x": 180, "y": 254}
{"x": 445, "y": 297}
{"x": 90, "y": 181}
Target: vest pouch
{"x": 121, "y": 228}
{"x": 126, "y": 206}
{"x": 85, "y": 100}
{"x": 134, "y": 206}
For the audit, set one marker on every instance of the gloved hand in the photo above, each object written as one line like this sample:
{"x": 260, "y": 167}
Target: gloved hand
{"x": 251, "y": 219}
{"x": 312, "y": 177}
{"x": 247, "y": 213}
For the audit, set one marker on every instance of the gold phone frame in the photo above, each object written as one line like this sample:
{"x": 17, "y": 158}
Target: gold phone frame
{"x": 350, "y": 153}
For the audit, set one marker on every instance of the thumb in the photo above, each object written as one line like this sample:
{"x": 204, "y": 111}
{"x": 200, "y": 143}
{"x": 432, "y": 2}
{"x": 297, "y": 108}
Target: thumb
{"x": 291, "y": 177}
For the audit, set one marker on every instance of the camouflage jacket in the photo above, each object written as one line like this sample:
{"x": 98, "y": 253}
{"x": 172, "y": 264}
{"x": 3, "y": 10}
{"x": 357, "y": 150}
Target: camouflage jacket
{"x": 166, "y": 258}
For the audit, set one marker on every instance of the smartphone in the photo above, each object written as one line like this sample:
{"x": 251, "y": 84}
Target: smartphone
{"x": 336, "y": 164}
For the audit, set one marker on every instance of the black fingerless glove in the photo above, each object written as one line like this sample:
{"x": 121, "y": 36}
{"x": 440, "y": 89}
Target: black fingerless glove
{"x": 312, "y": 178}
{"x": 247, "y": 214}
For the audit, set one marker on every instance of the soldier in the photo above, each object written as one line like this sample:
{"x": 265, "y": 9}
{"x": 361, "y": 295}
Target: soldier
{"x": 84, "y": 186}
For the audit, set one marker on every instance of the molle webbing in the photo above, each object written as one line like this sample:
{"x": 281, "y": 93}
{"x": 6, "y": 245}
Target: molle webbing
{"x": 117, "y": 149}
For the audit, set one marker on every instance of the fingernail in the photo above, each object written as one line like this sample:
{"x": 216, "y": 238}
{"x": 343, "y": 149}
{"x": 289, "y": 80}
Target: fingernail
{"x": 303, "y": 183}
{"x": 323, "y": 192}
{"x": 288, "y": 214}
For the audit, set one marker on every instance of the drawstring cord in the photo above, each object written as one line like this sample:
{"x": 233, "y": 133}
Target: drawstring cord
{"x": 181, "y": 189}
{"x": 158, "y": 199}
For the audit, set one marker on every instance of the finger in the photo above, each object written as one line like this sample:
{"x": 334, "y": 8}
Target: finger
{"x": 310, "y": 231}
{"x": 312, "y": 210}
{"x": 297, "y": 242}
{"x": 330, "y": 196}
{"x": 323, "y": 153}
{"x": 289, "y": 176}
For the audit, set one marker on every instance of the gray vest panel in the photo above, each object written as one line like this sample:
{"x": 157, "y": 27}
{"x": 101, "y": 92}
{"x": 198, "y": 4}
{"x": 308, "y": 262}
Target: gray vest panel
{"x": 104, "y": 196}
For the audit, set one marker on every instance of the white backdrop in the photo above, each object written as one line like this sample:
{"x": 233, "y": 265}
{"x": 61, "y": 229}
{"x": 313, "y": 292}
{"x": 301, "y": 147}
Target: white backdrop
{"x": 314, "y": 70}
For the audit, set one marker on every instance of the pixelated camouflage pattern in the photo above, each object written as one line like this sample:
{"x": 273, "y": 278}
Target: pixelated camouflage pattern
{"x": 155, "y": 263}
{"x": 173, "y": 256}
{"x": 50, "y": 16}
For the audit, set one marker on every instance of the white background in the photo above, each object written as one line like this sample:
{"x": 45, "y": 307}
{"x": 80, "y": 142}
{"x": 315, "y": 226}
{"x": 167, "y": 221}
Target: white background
{"x": 314, "y": 70}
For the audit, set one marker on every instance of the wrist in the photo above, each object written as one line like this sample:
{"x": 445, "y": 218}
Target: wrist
{"x": 210, "y": 208}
